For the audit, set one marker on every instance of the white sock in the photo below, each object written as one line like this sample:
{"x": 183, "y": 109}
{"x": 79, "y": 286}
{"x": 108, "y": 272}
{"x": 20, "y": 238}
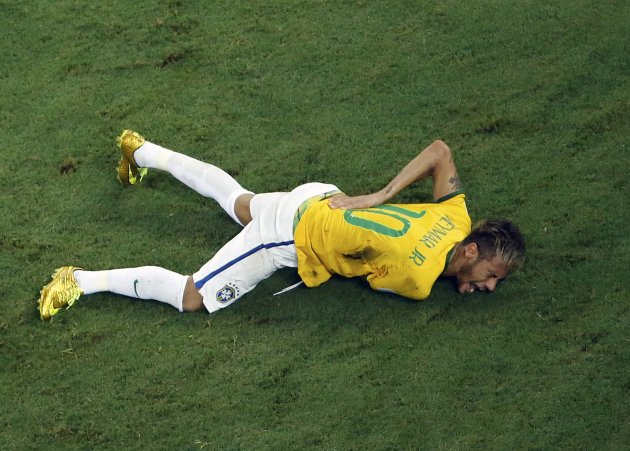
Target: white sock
{"x": 146, "y": 282}
{"x": 205, "y": 178}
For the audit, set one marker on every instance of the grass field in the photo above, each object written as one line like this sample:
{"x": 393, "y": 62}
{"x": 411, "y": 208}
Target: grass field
{"x": 533, "y": 97}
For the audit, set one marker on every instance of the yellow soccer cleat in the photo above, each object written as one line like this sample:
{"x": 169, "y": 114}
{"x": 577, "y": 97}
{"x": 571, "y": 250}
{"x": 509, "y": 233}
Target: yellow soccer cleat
{"x": 62, "y": 291}
{"x": 128, "y": 171}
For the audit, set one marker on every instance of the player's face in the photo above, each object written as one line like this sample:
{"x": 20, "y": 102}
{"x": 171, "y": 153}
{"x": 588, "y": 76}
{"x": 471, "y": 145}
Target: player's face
{"x": 482, "y": 275}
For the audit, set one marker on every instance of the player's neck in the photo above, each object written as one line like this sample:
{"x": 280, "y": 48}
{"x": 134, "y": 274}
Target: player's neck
{"x": 455, "y": 262}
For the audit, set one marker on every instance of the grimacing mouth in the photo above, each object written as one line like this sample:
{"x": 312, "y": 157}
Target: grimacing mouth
{"x": 471, "y": 287}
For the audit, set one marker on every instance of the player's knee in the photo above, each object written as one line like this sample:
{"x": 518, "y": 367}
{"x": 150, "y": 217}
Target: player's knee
{"x": 193, "y": 301}
{"x": 242, "y": 208}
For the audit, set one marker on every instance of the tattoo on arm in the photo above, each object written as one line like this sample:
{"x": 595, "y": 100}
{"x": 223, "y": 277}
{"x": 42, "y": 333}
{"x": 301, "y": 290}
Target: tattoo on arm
{"x": 389, "y": 189}
{"x": 455, "y": 182}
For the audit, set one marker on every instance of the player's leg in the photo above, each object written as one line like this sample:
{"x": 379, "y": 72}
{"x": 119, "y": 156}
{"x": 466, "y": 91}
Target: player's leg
{"x": 193, "y": 301}
{"x": 239, "y": 265}
{"x": 205, "y": 178}
{"x": 147, "y": 282}
{"x": 242, "y": 208}
{"x": 263, "y": 246}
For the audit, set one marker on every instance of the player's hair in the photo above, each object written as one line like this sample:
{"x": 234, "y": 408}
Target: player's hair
{"x": 498, "y": 237}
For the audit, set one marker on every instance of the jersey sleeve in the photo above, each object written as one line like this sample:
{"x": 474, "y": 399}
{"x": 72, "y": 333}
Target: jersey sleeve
{"x": 458, "y": 195}
{"x": 400, "y": 284}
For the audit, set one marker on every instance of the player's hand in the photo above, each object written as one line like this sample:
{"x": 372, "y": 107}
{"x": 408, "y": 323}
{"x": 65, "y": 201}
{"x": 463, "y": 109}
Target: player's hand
{"x": 353, "y": 202}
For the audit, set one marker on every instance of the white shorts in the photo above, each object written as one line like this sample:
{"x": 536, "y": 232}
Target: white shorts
{"x": 263, "y": 246}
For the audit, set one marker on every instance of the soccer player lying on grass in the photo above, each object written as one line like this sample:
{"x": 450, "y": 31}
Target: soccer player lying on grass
{"x": 315, "y": 228}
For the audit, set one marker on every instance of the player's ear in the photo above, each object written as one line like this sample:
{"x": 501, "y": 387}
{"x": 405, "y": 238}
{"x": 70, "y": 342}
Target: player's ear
{"x": 471, "y": 252}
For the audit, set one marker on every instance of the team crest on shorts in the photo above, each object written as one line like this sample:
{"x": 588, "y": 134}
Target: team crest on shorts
{"x": 227, "y": 293}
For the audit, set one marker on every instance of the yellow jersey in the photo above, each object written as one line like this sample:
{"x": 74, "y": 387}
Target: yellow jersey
{"x": 400, "y": 248}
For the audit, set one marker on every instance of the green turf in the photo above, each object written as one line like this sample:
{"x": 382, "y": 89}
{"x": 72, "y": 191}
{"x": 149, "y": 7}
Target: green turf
{"x": 533, "y": 97}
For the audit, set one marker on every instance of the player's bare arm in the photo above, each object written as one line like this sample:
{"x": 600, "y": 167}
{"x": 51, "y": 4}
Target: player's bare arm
{"x": 436, "y": 161}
